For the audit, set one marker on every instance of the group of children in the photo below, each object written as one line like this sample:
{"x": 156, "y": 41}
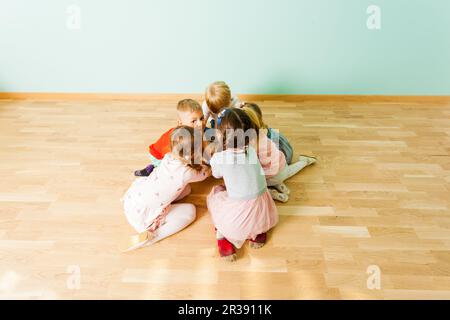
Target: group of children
{"x": 253, "y": 168}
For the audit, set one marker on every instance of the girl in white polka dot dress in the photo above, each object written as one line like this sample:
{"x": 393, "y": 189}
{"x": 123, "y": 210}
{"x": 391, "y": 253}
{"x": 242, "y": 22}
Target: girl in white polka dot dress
{"x": 148, "y": 202}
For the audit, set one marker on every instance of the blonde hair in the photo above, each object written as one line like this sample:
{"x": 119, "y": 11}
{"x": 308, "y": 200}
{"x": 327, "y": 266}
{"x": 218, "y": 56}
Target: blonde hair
{"x": 182, "y": 144}
{"x": 218, "y": 96}
{"x": 254, "y": 113}
{"x": 188, "y": 105}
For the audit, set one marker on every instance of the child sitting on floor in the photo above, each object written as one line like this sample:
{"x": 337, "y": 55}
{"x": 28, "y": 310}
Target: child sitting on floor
{"x": 267, "y": 154}
{"x": 189, "y": 114}
{"x": 148, "y": 202}
{"x": 242, "y": 208}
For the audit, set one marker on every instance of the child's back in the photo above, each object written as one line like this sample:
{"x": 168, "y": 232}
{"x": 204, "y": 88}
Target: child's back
{"x": 241, "y": 172}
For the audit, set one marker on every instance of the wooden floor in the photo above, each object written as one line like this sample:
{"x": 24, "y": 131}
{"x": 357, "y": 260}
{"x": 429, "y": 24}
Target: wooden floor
{"x": 379, "y": 196}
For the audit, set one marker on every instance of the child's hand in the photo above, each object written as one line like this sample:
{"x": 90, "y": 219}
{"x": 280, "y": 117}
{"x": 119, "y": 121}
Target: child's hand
{"x": 208, "y": 152}
{"x": 207, "y": 170}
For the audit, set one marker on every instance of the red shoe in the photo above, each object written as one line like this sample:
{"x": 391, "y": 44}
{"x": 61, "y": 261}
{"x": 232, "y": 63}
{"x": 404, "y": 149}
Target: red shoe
{"x": 226, "y": 249}
{"x": 259, "y": 241}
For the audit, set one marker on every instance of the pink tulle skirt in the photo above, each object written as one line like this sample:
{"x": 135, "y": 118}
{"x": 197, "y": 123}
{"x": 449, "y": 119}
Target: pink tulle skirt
{"x": 239, "y": 220}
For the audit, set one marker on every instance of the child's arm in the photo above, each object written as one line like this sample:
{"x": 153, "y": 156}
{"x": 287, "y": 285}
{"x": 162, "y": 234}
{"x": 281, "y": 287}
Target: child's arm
{"x": 193, "y": 175}
{"x": 270, "y": 157}
{"x": 215, "y": 163}
{"x": 209, "y": 148}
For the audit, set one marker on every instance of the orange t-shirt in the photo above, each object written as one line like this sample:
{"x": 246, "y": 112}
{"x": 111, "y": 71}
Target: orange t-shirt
{"x": 162, "y": 146}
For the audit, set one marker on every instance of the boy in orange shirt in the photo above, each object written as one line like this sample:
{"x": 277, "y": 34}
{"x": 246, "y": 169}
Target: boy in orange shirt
{"x": 189, "y": 114}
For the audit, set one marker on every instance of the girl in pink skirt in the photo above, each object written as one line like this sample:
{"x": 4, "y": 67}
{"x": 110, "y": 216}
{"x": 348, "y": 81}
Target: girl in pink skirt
{"x": 275, "y": 154}
{"x": 242, "y": 208}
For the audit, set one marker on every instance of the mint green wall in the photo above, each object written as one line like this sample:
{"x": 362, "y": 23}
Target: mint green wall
{"x": 258, "y": 46}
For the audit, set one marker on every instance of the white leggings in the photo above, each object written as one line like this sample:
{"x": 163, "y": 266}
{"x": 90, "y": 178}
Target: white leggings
{"x": 179, "y": 217}
{"x": 287, "y": 172}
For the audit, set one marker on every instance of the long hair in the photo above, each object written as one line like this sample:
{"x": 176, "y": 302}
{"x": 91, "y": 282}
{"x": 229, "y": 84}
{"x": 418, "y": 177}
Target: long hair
{"x": 184, "y": 144}
{"x": 254, "y": 112}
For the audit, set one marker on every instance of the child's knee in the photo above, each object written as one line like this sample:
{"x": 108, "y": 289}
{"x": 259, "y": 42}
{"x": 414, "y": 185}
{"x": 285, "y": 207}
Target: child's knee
{"x": 191, "y": 212}
{"x": 185, "y": 212}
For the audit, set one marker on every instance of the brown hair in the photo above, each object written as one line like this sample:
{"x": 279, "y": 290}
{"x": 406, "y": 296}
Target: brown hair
{"x": 236, "y": 119}
{"x": 255, "y": 114}
{"x": 218, "y": 96}
{"x": 182, "y": 144}
{"x": 188, "y": 105}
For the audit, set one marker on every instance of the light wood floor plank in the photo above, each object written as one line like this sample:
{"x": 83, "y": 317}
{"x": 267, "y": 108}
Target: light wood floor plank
{"x": 378, "y": 196}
